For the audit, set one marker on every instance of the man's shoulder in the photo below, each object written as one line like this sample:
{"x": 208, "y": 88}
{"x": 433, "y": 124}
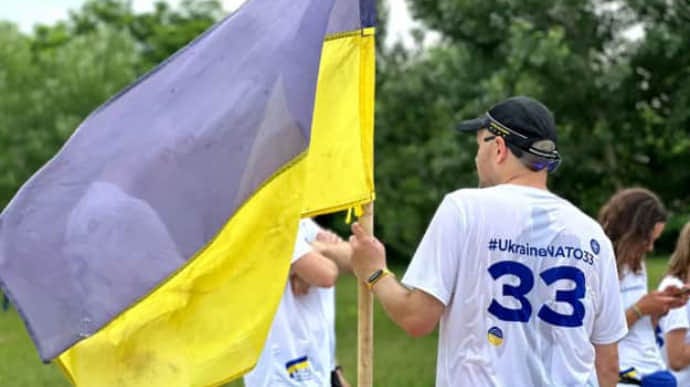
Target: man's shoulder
{"x": 503, "y": 191}
{"x": 502, "y": 194}
{"x": 464, "y": 193}
{"x": 464, "y": 199}
{"x": 477, "y": 194}
{"x": 585, "y": 221}
{"x": 511, "y": 195}
{"x": 587, "y": 227}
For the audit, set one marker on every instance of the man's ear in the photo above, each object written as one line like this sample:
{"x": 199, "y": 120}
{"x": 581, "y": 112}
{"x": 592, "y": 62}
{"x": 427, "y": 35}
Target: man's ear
{"x": 501, "y": 149}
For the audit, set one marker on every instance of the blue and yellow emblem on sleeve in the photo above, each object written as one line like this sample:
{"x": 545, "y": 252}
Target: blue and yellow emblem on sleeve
{"x": 299, "y": 369}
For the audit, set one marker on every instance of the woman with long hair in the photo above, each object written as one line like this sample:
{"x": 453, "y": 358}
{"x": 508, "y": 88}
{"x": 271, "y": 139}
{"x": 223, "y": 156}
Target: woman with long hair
{"x": 676, "y": 336}
{"x": 633, "y": 219}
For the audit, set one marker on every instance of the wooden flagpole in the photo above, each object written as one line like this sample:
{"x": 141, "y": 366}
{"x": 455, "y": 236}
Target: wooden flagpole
{"x": 365, "y": 321}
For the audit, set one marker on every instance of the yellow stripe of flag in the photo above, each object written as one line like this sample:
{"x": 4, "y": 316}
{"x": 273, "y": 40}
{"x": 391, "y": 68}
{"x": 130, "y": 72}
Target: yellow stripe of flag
{"x": 206, "y": 325}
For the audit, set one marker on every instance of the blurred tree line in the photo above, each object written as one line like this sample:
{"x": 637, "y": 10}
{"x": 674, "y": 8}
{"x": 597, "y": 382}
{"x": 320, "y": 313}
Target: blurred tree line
{"x": 621, "y": 101}
{"x": 615, "y": 73}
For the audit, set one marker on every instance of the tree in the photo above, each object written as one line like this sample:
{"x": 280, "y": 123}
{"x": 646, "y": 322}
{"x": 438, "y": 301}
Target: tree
{"x": 611, "y": 94}
{"x": 158, "y": 33}
{"x": 46, "y": 94}
{"x": 52, "y": 79}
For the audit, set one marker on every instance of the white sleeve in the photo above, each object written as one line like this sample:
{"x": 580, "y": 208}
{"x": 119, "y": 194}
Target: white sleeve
{"x": 306, "y": 233}
{"x": 610, "y": 325}
{"x": 309, "y": 229}
{"x": 433, "y": 268}
{"x": 676, "y": 318}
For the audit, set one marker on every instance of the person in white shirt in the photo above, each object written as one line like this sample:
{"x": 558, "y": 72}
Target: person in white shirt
{"x": 675, "y": 327}
{"x": 633, "y": 219}
{"x": 300, "y": 348}
{"x": 523, "y": 283}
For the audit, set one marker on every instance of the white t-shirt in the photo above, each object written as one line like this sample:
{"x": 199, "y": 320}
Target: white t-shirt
{"x": 528, "y": 282}
{"x": 294, "y": 353}
{"x": 638, "y": 348}
{"x": 675, "y": 319}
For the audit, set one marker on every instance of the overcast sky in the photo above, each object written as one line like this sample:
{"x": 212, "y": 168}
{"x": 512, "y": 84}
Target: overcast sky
{"x": 26, "y": 13}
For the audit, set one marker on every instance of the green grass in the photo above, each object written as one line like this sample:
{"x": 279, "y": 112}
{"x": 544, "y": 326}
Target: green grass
{"x": 399, "y": 360}
{"x": 20, "y": 365}
{"x": 656, "y": 268}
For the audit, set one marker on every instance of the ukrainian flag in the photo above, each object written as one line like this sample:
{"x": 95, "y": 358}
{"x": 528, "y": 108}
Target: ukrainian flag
{"x": 153, "y": 249}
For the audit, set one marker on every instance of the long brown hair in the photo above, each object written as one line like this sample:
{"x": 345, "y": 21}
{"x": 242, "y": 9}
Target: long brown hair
{"x": 679, "y": 264}
{"x": 628, "y": 219}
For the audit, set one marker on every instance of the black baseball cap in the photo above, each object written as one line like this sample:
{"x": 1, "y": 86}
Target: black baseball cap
{"x": 526, "y": 125}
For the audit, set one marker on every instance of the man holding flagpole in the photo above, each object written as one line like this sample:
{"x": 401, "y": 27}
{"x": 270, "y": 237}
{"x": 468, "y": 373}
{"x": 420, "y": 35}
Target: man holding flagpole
{"x": 523, "y": 283}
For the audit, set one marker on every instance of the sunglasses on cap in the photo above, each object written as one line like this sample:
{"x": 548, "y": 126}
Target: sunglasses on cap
{"x": 536, "y": 154}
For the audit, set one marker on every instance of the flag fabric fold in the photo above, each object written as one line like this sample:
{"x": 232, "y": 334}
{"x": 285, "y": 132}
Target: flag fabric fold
{"x": 340, "y": 158}
{"x": 152, "y": 250}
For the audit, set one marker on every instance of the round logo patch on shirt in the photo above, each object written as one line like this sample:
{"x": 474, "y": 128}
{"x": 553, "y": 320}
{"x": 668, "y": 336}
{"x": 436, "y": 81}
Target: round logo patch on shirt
{"x": 495, "y": 336}
{"x": 595, "y": 246}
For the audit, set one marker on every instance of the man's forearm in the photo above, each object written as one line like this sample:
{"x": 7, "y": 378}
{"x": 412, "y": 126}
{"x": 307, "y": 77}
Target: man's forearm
{"x": 393, "y": 296}
{"x": 339, "y": 253}
{"x": 414, "y": 311}
{"x": 606, "y": 364}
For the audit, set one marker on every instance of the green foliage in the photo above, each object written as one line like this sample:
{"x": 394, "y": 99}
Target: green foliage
{"x": 158, "y": 33}
{"x": 20, "y": 365}
{"x": 621, "y": 102}
{"x": 47, "y": 92}
{"x": 52, "y": 79}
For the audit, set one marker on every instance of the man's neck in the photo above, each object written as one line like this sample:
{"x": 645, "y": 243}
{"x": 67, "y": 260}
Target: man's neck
{"x": 526, "y": 178}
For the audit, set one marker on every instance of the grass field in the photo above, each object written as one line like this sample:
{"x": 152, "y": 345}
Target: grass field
{"x": 399, "y": 360}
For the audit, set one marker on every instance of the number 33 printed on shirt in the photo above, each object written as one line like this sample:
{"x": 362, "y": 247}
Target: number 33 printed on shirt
{"x": 549, "y": 277}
